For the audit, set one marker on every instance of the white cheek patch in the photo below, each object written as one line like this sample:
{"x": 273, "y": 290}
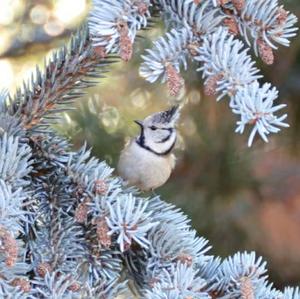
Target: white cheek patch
{"x": 165, "y": 135}
{"x": 165, "y": 143}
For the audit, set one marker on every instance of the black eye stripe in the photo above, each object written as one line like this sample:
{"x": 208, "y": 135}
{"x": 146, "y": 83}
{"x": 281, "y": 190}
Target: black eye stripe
{"x": 155, "y": 128}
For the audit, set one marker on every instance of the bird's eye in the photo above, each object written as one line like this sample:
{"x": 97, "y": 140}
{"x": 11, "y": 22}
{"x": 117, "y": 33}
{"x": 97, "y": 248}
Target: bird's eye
{"x": 153, "y": 128}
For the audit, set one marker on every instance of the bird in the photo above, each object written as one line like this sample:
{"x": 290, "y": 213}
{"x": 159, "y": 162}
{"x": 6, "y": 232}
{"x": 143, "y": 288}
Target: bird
{"x": 147, "y": 160}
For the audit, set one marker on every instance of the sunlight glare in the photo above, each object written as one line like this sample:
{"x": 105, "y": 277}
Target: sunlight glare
{"x": 7, "y": 11}
{"x": 6, "y": 74}
{"x": 39, "y": 14}
{"x": 67, "y": 10}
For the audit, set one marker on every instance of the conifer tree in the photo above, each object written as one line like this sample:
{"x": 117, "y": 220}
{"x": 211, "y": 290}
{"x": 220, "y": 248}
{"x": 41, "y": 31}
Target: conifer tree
{"x": 69, "y": 228}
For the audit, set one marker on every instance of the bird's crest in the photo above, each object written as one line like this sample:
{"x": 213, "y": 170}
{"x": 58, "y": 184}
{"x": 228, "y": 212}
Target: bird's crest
{"x": 169, "y": 116}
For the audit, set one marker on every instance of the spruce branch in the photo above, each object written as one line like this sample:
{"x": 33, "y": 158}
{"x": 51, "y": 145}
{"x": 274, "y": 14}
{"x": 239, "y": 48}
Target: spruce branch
{"x": 14, "y": 169}
{"x": 130, "y": 222}
{"x": 114, "y": 24}
{"x": 170, "y": 53}
{"x": 54, "y": 285}
{"x": 180, "y": 282}
{"x": 226, "y": 65}
{"x": 14, "y": 161}
{"x": 291, "y": 293}
{"x": 13, "y": 216}
{"x": 265, "y": 24}
{"x": 229, "y": 71}
{"x": 62, "y": 247}
{"x": 68, "y": 227}
{"x": 65, "y": 75}
{"x": 11, "y": 292}
{"x": 240, "y": 274}
{"x": 167, "y": 246}
{"x": 200, "y": 17}
{"x": 255, "y": 105}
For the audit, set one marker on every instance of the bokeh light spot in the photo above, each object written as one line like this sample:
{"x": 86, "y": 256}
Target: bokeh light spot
{"x": 54, "y": 28}
{"x": 110, "y": 118}
{"x": 189, "y": 127}
{"x": 39, "y": 14}
{"x": 6, "y": 74}
{"x": 67, "y": 10}
{"x": 139, "y": 98}
{"x": 8, "y": 9}
{"x": 194, "y": 97}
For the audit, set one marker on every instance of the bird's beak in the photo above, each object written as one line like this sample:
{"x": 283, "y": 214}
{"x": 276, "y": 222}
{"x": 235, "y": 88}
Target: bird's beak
{"x": 139, "y": 122}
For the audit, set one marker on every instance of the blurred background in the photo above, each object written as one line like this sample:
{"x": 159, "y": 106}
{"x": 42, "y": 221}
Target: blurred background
{"x": 238, "y": 198}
